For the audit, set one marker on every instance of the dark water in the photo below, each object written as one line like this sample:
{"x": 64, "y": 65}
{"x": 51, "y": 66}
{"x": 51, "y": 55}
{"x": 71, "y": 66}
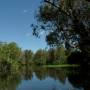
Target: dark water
{"x": 39, "y": 78}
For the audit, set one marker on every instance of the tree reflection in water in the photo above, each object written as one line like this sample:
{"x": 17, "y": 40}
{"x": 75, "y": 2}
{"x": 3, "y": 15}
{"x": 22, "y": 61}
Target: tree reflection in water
{"x": 82, "y": 79}
{"x": 9, "y": 81}
{"x": 77, "y": 79}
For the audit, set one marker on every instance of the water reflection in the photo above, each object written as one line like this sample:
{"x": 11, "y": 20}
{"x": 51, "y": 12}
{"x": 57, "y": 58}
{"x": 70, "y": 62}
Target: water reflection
{"x": 9, "y": 81}
{"x": 40, "y": 78}
{"x": 81, "y": 79}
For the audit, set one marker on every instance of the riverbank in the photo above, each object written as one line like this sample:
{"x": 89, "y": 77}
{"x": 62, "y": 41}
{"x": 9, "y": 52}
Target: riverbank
{"x": 63, "y": 65}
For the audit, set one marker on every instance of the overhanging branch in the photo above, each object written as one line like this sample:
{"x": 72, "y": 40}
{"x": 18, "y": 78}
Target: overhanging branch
{"x": 60, "y": 10}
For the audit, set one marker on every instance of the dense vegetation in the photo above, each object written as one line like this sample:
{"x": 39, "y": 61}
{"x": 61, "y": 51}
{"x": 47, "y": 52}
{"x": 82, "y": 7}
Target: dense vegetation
{"x": 13, "y": 58}
{"x": 67, "y": 28}
{"x": 65, "y": 22}
{"x": 10, "y": 55}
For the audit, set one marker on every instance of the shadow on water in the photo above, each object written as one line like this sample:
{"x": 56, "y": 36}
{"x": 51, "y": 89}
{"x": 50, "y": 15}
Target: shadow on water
{"x": 46, "y": 79}
{"x": 82, "y": 79}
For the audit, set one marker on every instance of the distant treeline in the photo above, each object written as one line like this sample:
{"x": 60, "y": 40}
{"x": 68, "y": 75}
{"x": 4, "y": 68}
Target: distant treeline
{"x": 13, "y": 57}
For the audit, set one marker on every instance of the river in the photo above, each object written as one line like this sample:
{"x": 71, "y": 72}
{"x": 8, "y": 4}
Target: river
{"x": 40, "y": 78}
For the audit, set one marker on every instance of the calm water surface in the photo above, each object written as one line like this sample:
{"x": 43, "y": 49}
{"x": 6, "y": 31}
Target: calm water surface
{"x": 45, "y": 79}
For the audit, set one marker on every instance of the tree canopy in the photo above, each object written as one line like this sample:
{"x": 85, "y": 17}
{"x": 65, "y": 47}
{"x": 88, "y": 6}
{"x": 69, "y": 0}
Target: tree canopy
{"x": 65, "y": 22}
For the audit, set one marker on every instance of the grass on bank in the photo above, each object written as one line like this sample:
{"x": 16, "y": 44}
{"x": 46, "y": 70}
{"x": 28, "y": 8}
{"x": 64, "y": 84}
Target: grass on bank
{"x": 63, "y": 65}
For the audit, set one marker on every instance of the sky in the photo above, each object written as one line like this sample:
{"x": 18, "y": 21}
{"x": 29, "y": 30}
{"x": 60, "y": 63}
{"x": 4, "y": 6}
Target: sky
{"x": 16, "y": 16}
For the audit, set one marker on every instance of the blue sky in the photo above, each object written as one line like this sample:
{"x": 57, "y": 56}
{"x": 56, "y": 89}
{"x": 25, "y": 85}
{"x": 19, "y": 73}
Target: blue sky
{"x": 16, "y": 16}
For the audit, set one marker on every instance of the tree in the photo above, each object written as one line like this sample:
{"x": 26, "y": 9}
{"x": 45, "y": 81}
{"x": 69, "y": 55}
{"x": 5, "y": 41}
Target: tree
{"x": 14, "y": 51}
{"x": 28, "y": 55}
{"x": 60, "y": 56}
{"x": 51, "y": 56}
{"x": 65, "y": 21}
{"x": 10, "y": 54}
{"x": 40, "y": 57}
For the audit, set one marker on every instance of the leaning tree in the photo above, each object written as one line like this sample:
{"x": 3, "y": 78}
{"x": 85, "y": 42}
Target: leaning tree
{"x": 65, "y": 22}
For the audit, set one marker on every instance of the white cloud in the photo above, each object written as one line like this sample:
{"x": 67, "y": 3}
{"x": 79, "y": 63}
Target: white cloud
{"x": 25, "y": 11}
{"x": 28, "y": 34}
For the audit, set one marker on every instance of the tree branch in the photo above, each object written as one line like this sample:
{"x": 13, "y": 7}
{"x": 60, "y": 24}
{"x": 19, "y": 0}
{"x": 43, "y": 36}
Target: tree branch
{"x": 60, "y": 10}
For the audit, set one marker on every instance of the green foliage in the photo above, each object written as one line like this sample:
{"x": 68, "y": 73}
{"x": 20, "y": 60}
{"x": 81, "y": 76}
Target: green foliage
{"x": 40, "y": 57}
{"x": 28, "y": 55}
{"x": 65, "y": 21}
{"x": 57, "y": 56}
{"x": 9, "y": 56}
{"x": 61, "y": 58}
{"x": 14, "y": 51}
